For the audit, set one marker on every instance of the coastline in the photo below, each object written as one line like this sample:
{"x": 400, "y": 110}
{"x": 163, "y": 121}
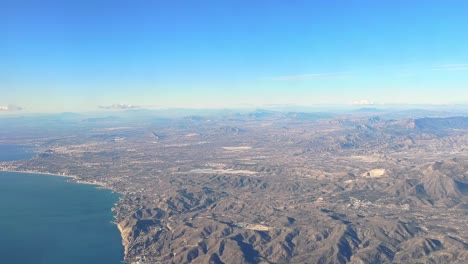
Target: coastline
{"x": 77, "y": 180}
{"x": 74, "y": 177}
{"x": 124, "y": 234}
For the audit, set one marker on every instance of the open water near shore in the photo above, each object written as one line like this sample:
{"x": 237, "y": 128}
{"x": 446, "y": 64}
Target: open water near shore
{"x": 16, "y": 152}
{"x": 46, "y": 219}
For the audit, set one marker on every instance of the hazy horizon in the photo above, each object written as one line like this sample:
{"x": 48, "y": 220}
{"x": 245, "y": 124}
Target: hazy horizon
{"x": 187, "y": 111}
{"x": 96, "y": 55}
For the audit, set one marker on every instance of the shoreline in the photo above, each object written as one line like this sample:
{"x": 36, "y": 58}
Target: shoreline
{"x": 74, "y": 177}
{"x": 124, "y": 235}
{"x": 98, "y": 185}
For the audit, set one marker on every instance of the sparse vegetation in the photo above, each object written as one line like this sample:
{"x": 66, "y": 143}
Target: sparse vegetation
{"x": 298, "y": 190}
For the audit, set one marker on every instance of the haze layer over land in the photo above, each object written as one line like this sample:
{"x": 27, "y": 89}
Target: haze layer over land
{"x": 81, "y": 56}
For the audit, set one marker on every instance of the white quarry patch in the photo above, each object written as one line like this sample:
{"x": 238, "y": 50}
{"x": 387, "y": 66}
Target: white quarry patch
{"x": 221, "y": 171}
{"x": 373, "y": 158}
{"x": 216, "y": 165}
{"x": 375, "y": 173}
{"x": 257, "y": 227}
{"x": 241, "y": 148}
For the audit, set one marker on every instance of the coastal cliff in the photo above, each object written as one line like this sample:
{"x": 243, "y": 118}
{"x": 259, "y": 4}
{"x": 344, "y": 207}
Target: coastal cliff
{"x": 124, "y": 232}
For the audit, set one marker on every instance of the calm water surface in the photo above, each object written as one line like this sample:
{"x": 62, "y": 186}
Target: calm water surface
{"x": 45, "y": 219}
{"x": 16, "y": 152}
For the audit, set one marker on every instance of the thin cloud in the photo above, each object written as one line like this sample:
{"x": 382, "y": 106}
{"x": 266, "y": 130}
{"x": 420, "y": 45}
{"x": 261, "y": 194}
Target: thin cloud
{"x": 455, "y": 65}
{"x": 335, "y": 75}
{"x": 452, "y": 67}
{"x": 119, "y": 106}
{"x": 362, "y": 102}
{"x": 10, "y": 108}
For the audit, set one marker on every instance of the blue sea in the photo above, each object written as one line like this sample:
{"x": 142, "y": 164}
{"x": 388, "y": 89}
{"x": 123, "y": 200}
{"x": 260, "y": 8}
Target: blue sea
{"x": 16, "y": 152}
{"x": 46, "y": 219}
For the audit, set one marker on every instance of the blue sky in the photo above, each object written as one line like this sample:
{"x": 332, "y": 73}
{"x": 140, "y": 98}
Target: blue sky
{"x": 78, "y": 55}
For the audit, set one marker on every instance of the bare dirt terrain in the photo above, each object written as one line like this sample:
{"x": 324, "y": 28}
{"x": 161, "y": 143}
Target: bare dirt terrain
{"x": 271, "y": 187}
